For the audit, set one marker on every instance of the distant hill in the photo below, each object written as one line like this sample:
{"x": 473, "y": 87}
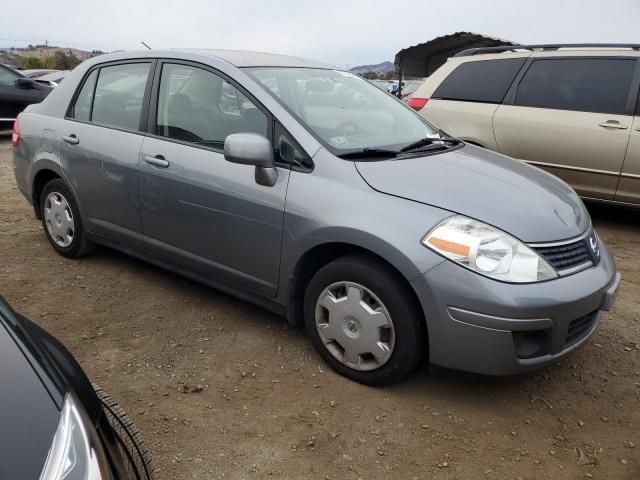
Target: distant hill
{"x": 11, "y": 56}
{"x": 380, "y": 69}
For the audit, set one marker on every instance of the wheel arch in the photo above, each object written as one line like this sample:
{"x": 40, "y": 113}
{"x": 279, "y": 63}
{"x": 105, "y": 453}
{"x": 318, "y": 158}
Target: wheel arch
{"x": 40, "y": 179}
{"x": 320, "y": 255}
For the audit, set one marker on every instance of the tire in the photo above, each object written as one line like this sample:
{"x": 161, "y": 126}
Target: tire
{"x": 56, "y": 196}
{"x": 136, "y": 458}
{"x": 384, "y": 291}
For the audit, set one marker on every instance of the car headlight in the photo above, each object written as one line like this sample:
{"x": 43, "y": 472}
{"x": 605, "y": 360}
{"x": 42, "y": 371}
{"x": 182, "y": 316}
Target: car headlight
{"x": 488, "y": 251}
{"x": 76, "y": 452}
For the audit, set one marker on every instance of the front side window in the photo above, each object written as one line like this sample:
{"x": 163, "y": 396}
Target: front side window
{"x": 119, "y": 95}
{"x": 599, "y": 85}
{"x": 7, "y": 77}
{"x": 197, "y": 106}
{"x": 480, "y": 81}
{"x": 343, "y": 110}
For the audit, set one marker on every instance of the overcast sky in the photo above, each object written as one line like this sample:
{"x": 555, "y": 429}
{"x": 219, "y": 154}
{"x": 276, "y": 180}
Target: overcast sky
{"x": 342, "y": 32}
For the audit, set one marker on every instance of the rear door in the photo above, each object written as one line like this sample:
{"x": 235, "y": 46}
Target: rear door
{"x": 100, "y": 146}
{"x": 199, "y": 210}
{"x": 572, "y": 116}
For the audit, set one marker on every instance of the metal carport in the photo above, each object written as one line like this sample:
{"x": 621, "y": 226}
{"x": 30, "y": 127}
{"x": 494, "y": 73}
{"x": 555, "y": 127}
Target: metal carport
{"x": 423, "y": 59}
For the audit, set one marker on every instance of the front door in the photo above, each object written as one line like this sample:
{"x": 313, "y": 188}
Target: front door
{"x": 100, "y": 146}
{"x": 199, "y": 210}
{"x": 572, "y": 117}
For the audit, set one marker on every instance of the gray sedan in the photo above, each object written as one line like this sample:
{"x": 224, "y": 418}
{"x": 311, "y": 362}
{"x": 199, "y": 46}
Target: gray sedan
{"x": 305, "y": 189}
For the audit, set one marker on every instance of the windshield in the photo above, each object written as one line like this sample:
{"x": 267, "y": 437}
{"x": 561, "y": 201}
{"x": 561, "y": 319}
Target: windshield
{"x": 346, "y": 112}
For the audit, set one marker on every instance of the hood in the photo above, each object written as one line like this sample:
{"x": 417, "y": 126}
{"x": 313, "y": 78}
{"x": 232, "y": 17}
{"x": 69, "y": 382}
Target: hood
{"x": 28, "y": 414}
{"x": 522, "y": 200}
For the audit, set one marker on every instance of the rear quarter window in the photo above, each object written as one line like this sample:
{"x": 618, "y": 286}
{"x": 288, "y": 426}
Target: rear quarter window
{"x": 480, "y": 81}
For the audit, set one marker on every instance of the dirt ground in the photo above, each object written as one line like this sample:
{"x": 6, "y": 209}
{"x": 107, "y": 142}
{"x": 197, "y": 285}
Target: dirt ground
{"x": 270, "y": 408}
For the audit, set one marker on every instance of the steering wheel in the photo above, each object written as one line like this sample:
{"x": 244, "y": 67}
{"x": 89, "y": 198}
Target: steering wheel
{"x": 347, "y": 128}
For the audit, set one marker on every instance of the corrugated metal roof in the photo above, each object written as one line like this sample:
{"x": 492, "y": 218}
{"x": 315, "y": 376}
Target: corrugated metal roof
{"x": 423, "y": 59}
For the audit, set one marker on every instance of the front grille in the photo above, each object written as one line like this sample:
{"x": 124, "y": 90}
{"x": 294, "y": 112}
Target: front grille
{"x": 563, "y": 257}
{"x": 579, "y": 327}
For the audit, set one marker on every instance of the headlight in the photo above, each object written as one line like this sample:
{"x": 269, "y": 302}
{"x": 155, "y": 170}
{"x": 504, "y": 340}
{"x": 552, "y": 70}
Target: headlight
{"x": 76, "y": 452}
{"x": 488, "y": 251}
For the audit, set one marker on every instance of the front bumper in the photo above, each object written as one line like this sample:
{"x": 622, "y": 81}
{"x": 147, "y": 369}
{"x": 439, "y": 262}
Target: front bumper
{"x": 484, "y": 326}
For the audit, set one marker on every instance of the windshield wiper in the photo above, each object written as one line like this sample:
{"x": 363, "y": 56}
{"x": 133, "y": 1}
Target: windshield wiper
{"x": 369, "y": 153}
{"x": 437, "y": 142}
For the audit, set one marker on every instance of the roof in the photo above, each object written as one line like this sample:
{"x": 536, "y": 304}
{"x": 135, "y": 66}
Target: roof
{"x": 547, "y": 47}
{"x": 243, "y": 58}
{"x": 238, "y": 58}
{"x": 425, "y": 58}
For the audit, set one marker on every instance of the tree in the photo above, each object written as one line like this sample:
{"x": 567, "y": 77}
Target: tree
{"x": 29, "y": 61}
{"x": 62, "y": 61}
{"x": 371, "y": 75}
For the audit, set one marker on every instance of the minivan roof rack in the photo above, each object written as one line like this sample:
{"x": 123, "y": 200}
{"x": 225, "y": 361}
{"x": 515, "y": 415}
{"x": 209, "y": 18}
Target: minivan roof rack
{"x": 553, "y": 46}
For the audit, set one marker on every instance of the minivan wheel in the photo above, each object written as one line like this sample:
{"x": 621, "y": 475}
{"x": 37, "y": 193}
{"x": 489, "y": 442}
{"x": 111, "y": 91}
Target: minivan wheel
{"x": 363, "y": 321}
{"x": 61, "y": 220}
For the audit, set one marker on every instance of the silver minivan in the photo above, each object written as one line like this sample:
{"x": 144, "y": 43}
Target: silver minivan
{"x": 305, "y": 189}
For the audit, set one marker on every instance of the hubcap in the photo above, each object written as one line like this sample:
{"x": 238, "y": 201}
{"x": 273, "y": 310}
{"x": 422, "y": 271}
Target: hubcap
{"x": 59, "y": 219}
{"x": 355, "y": 326}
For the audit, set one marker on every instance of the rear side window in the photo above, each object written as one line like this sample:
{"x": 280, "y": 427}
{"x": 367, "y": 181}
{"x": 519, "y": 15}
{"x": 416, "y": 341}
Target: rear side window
{"x": 119, "y": 95}
{"x": 599, "y": 85}
{"x": 82, "y": 107}
{"x": 481, "y": 81}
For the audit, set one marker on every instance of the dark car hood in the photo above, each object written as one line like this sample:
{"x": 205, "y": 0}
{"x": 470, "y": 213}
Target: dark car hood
{"x": 524, "y": 201}
{"x": 28, "y": 414}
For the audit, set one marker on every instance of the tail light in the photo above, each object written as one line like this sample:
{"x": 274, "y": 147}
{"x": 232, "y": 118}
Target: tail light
{"x": 15, "y": 134}
{"x": 417, "y": 103}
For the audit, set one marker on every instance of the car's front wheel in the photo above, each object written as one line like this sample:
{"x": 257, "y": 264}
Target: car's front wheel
{"x": 135, "y": 457}
{"x": 61, "y": 220}
{"x": 363, "y": 320}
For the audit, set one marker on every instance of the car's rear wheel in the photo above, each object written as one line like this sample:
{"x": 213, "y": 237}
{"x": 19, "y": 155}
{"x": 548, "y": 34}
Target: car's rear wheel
{"x": 61, "y": 220}
{"x": 136, "y": 458}
{"x": 363, "y": 320}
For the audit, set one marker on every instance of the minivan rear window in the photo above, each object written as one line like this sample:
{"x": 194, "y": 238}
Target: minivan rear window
{"x": 480, "y": 81}
{"x": 599, "y": 85}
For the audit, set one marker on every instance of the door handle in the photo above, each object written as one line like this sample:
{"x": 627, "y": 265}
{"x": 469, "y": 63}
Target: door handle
{"x": 158, "y": 161}
{"x": 71, "y": 139}
{"x": 613, "y": 124}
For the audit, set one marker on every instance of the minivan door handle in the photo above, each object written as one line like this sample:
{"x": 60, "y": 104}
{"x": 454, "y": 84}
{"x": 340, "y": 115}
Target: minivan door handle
{"x": 158, "y": 161}
{"x": 613, "y": 124}
{"x": 71, "y": 139}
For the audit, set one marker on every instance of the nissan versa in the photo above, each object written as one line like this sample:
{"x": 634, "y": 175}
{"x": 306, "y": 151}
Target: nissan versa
{"x": 55, "y": 424}
{"x": 305, "y": 189}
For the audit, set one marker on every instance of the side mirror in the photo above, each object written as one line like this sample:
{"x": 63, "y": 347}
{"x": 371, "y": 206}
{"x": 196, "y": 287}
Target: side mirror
{"x": 252, "y": 149}
{"x": 26, "y": 83}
